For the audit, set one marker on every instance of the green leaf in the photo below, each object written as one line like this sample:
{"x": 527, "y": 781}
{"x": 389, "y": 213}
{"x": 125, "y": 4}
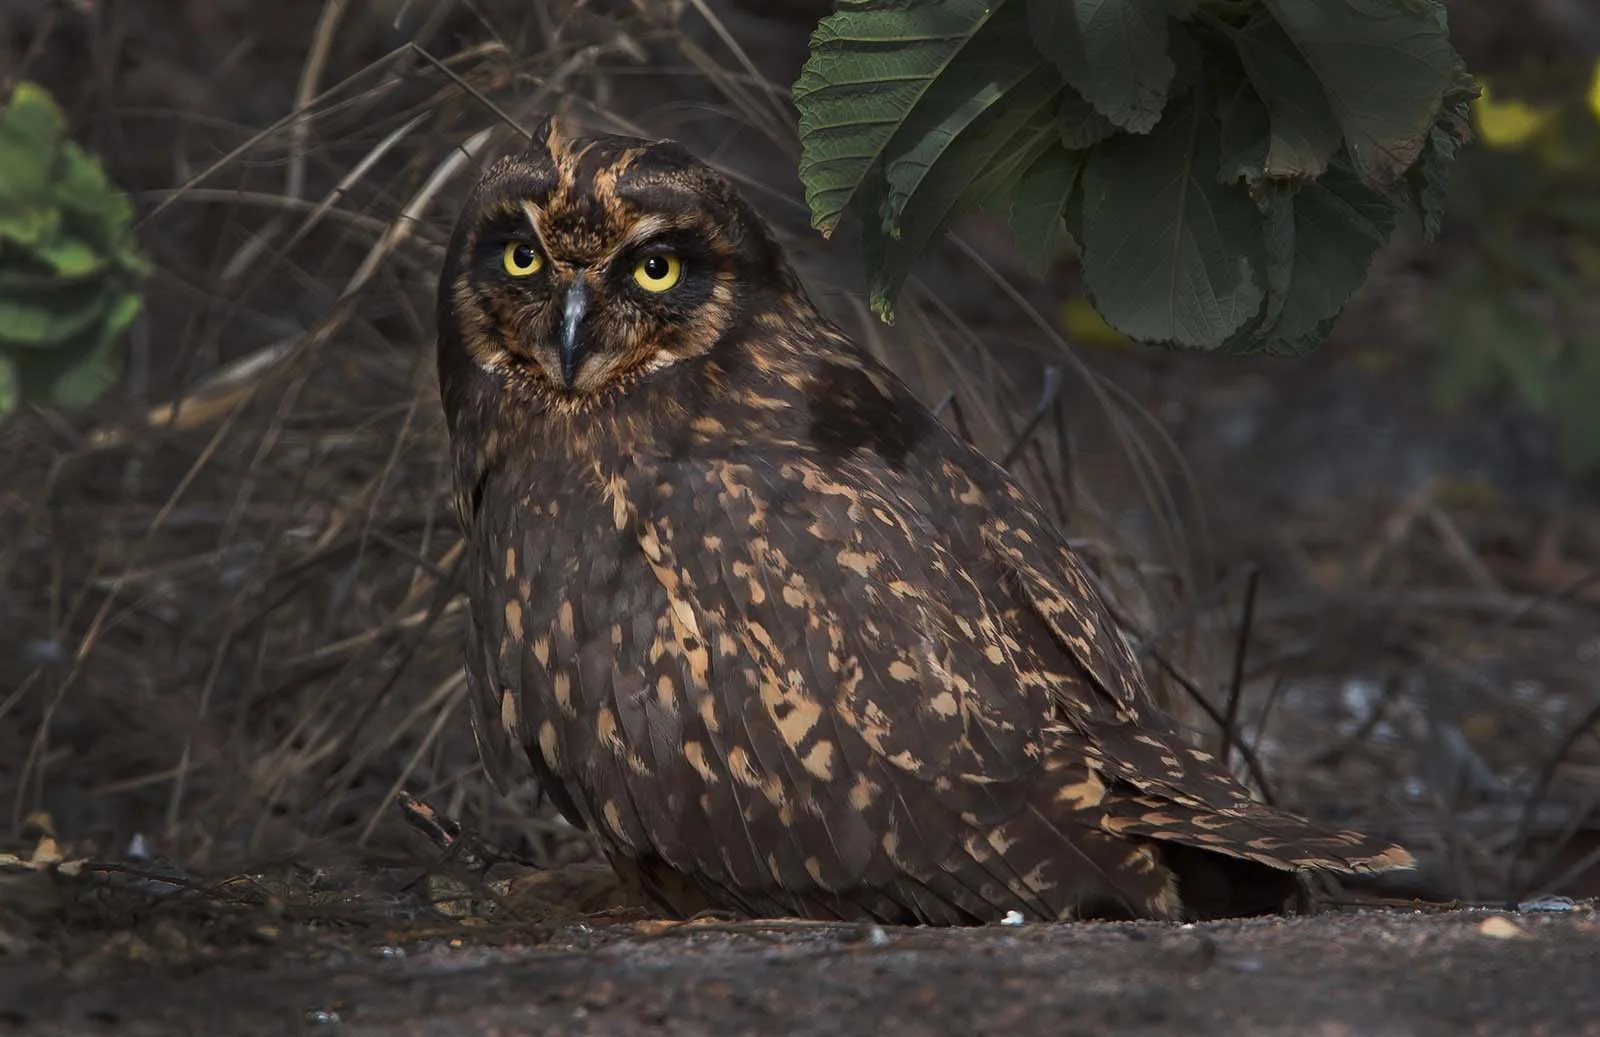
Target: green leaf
{"x": 982, "y": 164}
{"x": 28, "y": 224}
{"x": 995, "y": 60}
{"x": 32, "y": 118}
{"x": 1245, "y": 127}
{"x": 1339, "y": 225}
{"x": 22, "y": 277}
{"x": 1037, "y": 208}
{"x": 1303, "y": 131}
{"x": 75, "y": 376}
{"x": 871, "y": 63}
{"x": 1429, "y": 179}
{"x": 1113, "y": 52}
{"x": 1081, "y": 126}
{"x": 48, "y": 318}
{"x": 31, "y": 127}
{"x": 1170, "y": 254}
{"x": 1320, "y": 238}
{"x": 1385, "y": 67}
{"x": 95, "y": 208}
{"x": 123, "y": 313}
{"x": 70, "y": 258}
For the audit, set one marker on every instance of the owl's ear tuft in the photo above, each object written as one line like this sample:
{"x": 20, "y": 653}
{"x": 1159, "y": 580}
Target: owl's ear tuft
{"x": 546, "y": 138}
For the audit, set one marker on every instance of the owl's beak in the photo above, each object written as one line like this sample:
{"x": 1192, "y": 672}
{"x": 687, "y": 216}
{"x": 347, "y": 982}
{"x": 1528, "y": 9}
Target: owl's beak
{"x": 572, "y": 328}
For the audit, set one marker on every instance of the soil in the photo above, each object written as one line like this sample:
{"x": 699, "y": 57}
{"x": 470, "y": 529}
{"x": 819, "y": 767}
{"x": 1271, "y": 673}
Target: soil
{"x": 1367, "y": 972}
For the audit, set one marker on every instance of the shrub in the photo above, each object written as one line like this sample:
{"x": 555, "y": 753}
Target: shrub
{"x": 69, "y": 269}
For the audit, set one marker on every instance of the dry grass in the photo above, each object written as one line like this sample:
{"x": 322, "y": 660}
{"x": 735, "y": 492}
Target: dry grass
{"x": 230, "y": 622}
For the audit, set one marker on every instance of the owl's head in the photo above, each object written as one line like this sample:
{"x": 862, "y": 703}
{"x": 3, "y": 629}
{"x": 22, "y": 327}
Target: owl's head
{"x": 583, "y": 264}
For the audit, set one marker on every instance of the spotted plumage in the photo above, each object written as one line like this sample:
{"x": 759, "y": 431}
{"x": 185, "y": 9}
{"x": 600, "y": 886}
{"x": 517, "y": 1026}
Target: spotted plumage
{"x": 756, "y": 619}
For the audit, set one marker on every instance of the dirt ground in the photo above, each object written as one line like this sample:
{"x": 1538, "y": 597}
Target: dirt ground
{"x": 1369, "y": 972}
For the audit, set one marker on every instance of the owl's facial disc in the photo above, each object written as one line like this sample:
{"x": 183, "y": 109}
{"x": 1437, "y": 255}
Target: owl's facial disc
{"x": 585, "y": 265}
{"x": 582, "y": 319}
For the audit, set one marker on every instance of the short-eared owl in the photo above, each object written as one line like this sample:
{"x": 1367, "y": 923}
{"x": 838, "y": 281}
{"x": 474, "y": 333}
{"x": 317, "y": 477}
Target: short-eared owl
{"x": 758, "y": 621}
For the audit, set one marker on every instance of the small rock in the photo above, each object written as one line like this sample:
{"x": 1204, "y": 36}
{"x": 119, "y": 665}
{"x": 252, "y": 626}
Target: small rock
{"x": 1500, "y": 927}
{"x": 1548, "y": 903}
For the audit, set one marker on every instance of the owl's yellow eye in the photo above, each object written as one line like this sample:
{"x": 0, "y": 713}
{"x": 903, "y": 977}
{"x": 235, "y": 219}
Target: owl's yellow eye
{"x": 521, "y": 259}
{"x": 659, "y": 272}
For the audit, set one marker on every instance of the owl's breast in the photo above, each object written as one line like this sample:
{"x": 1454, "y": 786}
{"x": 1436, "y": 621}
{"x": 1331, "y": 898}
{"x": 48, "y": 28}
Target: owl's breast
{"x": 571, "y": 625}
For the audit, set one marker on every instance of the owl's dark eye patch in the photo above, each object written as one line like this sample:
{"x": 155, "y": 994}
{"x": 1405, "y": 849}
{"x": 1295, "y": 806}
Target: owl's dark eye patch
{"x": 697, "y": 262}
{"x": 506, "y": 245}
{"x": 504, "y": 224}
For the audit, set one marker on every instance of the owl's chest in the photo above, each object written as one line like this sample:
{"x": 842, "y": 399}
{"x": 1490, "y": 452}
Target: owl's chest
{"x": 547, "y": 545}
{"x": 574, "y": 621}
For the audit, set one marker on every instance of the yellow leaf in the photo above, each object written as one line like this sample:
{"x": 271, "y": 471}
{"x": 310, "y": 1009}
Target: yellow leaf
{"x": 1594, "y": 92}
{"x": 1506, "y": 124}
{"x": 1083, "y": 324}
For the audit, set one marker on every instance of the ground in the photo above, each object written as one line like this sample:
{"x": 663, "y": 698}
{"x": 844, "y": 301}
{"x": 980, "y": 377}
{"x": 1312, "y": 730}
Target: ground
{"x": 1367, "y": 972}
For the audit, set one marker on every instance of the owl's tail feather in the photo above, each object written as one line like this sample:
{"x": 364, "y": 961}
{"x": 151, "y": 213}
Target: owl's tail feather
{"x": 1253, "y": 832}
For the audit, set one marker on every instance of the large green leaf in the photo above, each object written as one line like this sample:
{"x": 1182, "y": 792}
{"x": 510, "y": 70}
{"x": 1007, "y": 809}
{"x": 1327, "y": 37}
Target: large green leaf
{"x": 1385, "y": 67}
{"x": 871, "y": 62}
{"x": 1037, "y": 208}
{"x": 1113, "y": 52}
{"x": 1100, "y": 118}
{"x": 997, "y": 58}
{"x": 1170, "y": 253}
{"x": 1338, "y": 226}
{"x": 1303, "y": 132}
{"x": 985, "y": 162}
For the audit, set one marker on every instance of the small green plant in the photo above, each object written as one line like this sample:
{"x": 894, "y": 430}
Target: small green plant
{"x": 1227, "y": 168}
{"x": 69, "y": 268}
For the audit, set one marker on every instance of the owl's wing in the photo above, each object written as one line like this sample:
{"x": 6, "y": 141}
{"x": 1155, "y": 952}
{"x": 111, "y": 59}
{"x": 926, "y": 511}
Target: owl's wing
{"x": 855, "y": 715}
{"x": 1171, "y": 791}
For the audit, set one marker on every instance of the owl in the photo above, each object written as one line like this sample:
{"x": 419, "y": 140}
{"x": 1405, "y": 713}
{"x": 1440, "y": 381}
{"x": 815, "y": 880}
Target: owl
{"x": 753, "y": 617}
